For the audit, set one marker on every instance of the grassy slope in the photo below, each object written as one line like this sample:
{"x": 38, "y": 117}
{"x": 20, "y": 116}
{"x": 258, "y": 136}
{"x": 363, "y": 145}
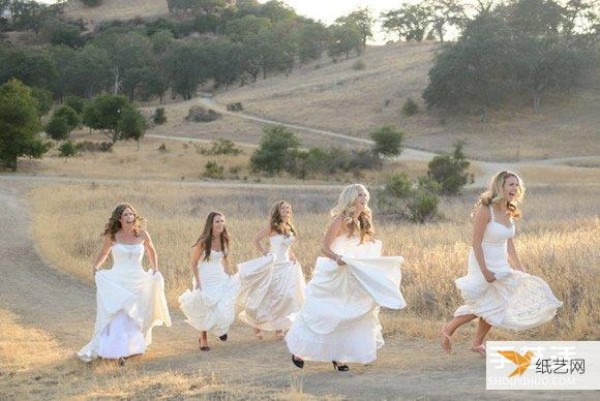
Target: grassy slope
{"x": 337, "y": 97}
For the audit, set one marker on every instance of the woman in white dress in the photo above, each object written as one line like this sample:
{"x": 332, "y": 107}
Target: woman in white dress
{"x": 130, "y": 300}
{"x": 339, "y": 321}
{"x": 272, "y": 286}
{"x": 210, "y": 306}
{"x": 496, "y": 288}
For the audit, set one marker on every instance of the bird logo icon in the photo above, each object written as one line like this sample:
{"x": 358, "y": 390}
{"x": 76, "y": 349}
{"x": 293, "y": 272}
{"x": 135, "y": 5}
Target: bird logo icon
{"x": 522, "y": 361}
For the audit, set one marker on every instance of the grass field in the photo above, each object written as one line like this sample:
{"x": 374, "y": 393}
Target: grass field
{"x": 556, "y": 241}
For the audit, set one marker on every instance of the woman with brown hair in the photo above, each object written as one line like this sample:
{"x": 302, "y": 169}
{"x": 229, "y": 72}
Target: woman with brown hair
{"x": 272, "y": 286}
{"x": 130, "y": 300}
{"x": 210, "y": 306}
{"x": 496, "y": 288}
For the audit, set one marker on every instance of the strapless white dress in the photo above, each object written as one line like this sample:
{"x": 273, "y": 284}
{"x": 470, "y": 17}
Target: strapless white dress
{"x": 515, "y": 300}
{"x": 339, "y": 320}
{"x": 272, "y": 287}
{"x": 211, "y": 308}
{"x": 130, "y": 302}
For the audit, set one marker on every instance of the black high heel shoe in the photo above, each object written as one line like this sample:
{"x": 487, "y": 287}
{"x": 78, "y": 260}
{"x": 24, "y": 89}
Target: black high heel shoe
{"x": 340, "y": 368}
{"x": 299, "y": 363}
{"x": 223, "y": 337}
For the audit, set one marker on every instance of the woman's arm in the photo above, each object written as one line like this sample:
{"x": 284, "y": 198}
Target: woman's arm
{"x": 152, "y": 257}
{"x": 481, "y": 219}
{"x": 262, "y": 234}
{"x": 512, "y": 256}
{"x": 103, "y": 253}
{"x": 194, "y": 259}
{"x": 335, "y": 229}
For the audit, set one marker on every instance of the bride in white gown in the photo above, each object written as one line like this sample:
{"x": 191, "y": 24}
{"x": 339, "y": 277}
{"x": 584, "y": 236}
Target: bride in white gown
{"x": 130, "y": 301}
{"x": 339, "y": 321}
{"x": 500, "y": 295}
{"x": 210, "y": 306}
{"x": 272, "y": 286}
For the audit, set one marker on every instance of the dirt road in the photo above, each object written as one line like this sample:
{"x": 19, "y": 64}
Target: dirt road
{"x": 45, "y": 299}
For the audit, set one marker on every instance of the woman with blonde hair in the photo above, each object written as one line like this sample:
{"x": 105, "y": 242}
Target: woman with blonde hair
{"x": 210, "y": 306}
{"x": 130, "y": 300}
{"x": 272, "y": 286}
{"x": 496, "y": 288}
{"x": 339, "y": 321}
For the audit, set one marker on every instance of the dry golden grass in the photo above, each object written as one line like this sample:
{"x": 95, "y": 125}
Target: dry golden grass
{"x": 334, "y": 96}
{"x": 115, "y": 10}
{"x": 557, "y": 240}
{"x": 180, "y": 161}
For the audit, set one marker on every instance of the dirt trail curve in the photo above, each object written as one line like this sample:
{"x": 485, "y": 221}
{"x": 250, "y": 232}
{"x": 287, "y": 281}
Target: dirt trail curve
{"x": 64, "y": 308}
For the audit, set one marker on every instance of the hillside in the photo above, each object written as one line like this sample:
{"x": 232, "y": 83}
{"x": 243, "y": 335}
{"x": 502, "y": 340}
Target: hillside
{"x": 115, "y": 10}
{"x": 349, "y": 99}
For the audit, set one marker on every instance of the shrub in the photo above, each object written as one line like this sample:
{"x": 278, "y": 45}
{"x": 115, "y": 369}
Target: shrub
{"x": 398, "y": 185}
{"x": 212, "y": 169}
{"x": 359, "y": 65}
{"x": 75, "y": 102}
{"x": 67, "y": 149}
{"x": 201, "y": 114}
{"x": 220, "y": 147}
{"x": 162, "y": 148}
{"x": 57, "y": 128}
{"x": 410, "y": 107}
{"x": 70, "y": 115}
{"x": 159, "y": 117}
{"x": 388, "y": 141}
{"x": 450, "y": 171}
{"x": 422, "y": 206}
{"x": 276, "y": 146}
{"x": 87, "y": 146}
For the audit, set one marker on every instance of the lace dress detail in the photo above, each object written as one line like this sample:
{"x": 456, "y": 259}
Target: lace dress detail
{"x": 515, "y": 300}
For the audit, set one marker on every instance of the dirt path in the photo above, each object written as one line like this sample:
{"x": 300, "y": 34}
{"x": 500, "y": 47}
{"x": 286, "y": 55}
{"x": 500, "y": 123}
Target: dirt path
{"x": 56, "y": 303}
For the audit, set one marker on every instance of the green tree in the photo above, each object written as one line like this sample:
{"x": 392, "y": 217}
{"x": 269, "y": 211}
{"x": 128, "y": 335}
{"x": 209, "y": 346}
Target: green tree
{"x": 57, "y": 128}
{"x": 476, "y": 71}
{"x": 19, "y": 125}
{"x": 276, "y": 146}
{"x": 445, "y": 13}
{"x": 388, "y": 141}
{"x": 115, "y": 116}
{"x": 362, "y": 21}
{"x": 69, "y": 115}
{"x": 409, "y": 22}
{"x": 343, "y": 39}
{"x": 450, "y": 170}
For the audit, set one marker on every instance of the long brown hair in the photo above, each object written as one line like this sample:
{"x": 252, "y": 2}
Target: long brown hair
{"x": 276, "y": 221}
{"x": 206, "y": 238}
{"x": 114, "y": 224}
{"x": 493, "y": 195}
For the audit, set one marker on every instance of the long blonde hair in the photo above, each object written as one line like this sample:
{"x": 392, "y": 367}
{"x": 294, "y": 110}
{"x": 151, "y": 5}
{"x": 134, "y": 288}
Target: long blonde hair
{"x": 276, "y": 222}
{"x": 206, "y": 238}
{"x": 346, "y": 207}
{"x": 114, "y": 224}
{"x": 493, "y": 195}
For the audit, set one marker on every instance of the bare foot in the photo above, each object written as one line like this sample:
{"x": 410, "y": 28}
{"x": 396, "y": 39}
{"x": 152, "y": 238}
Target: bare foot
{"x": 446, "y": 342}
{"x": 479, "y": 349}
{"x": 258, "y": 334}
{"x": 203, "y": 344}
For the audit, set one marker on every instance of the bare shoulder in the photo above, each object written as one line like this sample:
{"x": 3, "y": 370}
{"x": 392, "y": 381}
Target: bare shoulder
{"x": 482, "y": 212}
{"x": 144, "y": 235}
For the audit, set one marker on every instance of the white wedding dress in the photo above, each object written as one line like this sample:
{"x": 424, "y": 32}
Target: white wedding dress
{"x": 339, "y": 320}
{"x": 130, "y": 302}
{"x": 515, "y": 300}
{"x": 212, "y": 307}
{"x": 272, "y": 287}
